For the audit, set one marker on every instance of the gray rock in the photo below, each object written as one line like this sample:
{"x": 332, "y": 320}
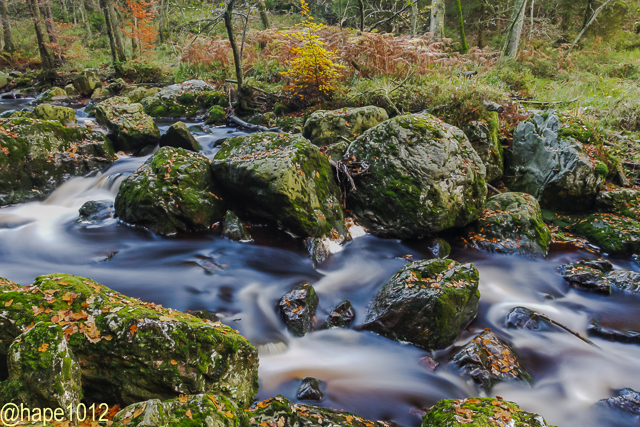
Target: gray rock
{"x": 555, "y": 170}
{"x": 484, "y": 137}
{"x": 628, "y": 400}
{"x": 621, "y": 201}
{"x": 626, "y": 336}
{"x": 588, "y": 275}
{"x": 234, "y": 229}
{"x": 96, "y": 210}
{"x": 86, "y": 81}
{"x": 522, "y": 318}
{"x": 341, "y": 316}
{"x": 298, "y": 308}
{"x": 178, "y": 136}
{"x": 53, "y": 94}
{"x": 4, "y": 80}
{"x": 628, "y": 281}
{"x": 310, "y": 390}
{"x": 188, "y": 99}
{"x": 424, "y": 177}
{"x": 65, "y": 115}
{"x": 326, "y": 127}
{"x": 439, "y": 247}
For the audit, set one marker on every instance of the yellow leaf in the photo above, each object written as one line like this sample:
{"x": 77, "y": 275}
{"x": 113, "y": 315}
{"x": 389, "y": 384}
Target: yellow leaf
{"x": 43, "y": 348}
{"x": 8, "y": 303}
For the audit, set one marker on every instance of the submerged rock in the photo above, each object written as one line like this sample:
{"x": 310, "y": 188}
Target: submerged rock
{"x": 284, "y": 178}
{"x": 96, "y": 210}
{"x": 625, "y": 336}
{"x": 86, "y": 81}
{"x": 628, "y": 281}
{"x": 522, "y": 318}
{"x": 439, "y": 247}
{"x": 621, "y": 201}
{"x": 628, "y": 401}
{"x": 298, "y": 309}
{"x": 480, "y": 412}
{"x": 598, "y": 275}
{"x": 484, "y": 137}
{"x": 309, "y": 390}
{"x": 64, "y": 115}
{"x": 202, "y": 410}
{"x": 326, "y": 127}
{"x": 554, "y": 169}
{"x": 424, "y": 177}
{"x": 131, "y": 128}
{"x": 43, "y": 372}
{"x": 178, "y": 136}
{"x": 128, "y": 350}
{"x": 234, "y": 229}
{"x": 426, "y": 303}
{"x": 37, "y": 156}
{"x": 188, "y": 99}
{"x": 172, "y": 191}
{"x": 488, "y": 360}
{"x": 511, "y": 223}
{"x": 341, "y": 316}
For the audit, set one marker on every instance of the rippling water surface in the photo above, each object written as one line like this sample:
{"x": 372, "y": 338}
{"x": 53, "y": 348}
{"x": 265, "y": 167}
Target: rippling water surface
{"x": 362, "y": 372}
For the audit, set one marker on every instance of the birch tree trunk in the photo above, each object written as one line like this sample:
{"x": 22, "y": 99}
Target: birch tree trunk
{"x": 437, "y": 18}
{"x": 414, "y": 18}
{"x": 515, "y": 28}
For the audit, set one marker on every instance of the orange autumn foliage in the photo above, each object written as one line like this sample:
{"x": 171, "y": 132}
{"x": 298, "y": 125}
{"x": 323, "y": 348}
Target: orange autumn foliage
{"x": 138, "y": 24}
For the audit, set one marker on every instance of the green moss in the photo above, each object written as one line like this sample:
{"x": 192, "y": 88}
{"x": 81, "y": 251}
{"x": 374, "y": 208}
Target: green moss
{"x": 217, "y": 115}
{"x": 602, "y": 170}
{"x": 280, "y": 109}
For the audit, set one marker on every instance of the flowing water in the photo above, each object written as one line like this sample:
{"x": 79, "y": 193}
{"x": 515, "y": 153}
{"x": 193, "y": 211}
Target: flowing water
{"x": 361, "y": 372}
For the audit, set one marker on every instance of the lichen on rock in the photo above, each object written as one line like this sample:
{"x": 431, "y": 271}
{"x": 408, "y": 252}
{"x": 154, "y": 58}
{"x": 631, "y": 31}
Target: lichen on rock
{"x": 326, "y": 127}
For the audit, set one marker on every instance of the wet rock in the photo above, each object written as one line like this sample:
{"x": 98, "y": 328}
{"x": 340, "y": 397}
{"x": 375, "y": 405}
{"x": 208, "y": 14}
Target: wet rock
{"x": 511, "y": 223}
{"x": 37, "y": 156}
{"x": 189, "y": 99}
{"x": 428, "y": 363}
{"x": 341, "y": 316}
{"x": 628, "y": 401}
{"x": 283, "y": 178}
{"x": 96, "y": 210}
{"x": 424, "y": 177}
{"x": 522, "y": 318}
{"x": 86, "y": 81}
{"x": 625, "y": 336}
{"x": 71, "y": 90}
{"x": 484, "y": 137}
{"x": 426, "y": 303}
{"x": 627, "y": 281}
{"x": 53, "y": 94}
{"x": 298, "y": 309}
{"x": 99, "y": 94}
{"x": 139, "y": 93}
{"x": 336, "y": 151}
{"x": 310, "y": 390}
{"x": 326, "y": 127}
{"x": 216, "y": 116}
{"x": 554, "y": 169}
{"x": 616, "y": 235}
{"x": 131, "y": 129}
{"x": 65, "y": 115}
{"x": 281, "y": 412}
{"x": 234, "y": 229}
{"x": 589, "y": 277}
{"x": 172, "y": 191}
{"x": 318, "y": 250}
{"x": 207, "y": 315}
{"x": 439, "y": 247}
{"x": 202, "y": 410}
{"x": 488, "y": 360}
{"x": 621, "y": 201}
{"x": 178, "y": 136}
{"x": 43, "y": 372}
{"x": 480, "y": 412}
{"x": 4, "y": 80}
{"x": 129, "y": 350}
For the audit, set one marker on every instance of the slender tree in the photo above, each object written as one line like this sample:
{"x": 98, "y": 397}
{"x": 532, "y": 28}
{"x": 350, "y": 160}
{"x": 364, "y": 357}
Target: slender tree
{"x": 437, "y": 18}
{"x": 587, "y": 25}
{"x": 6, "y": 27}
{"x": 481, "y": 24}
{"x": 463, "y": 39}
{"x": 243, "y": 93}
{"x": 361, "y": 5}
{"x": 264, "y": 18}
{"x": 48, "y": 64}
{"x": 515, "y": 28}
{"x": 414, "y": 18}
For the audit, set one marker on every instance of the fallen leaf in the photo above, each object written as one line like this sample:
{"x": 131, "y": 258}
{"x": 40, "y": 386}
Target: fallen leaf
{"x": 43, "y": 348}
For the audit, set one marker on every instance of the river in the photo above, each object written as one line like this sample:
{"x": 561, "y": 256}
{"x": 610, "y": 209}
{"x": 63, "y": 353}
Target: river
{"x": 362, "y": 372}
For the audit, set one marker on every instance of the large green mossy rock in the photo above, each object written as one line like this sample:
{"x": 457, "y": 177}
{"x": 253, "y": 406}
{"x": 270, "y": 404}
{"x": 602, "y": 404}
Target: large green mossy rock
{"x": 621, "y": 201}
{"x": 172, "y": 191}
{"x": 4, "y": 80}
{"x": 43, "y": 372}
{"x": 86, "y": 81}
{"x": 130, "y": 351}
{"x": 37, "y": 156}
{"x": 326, "y": 127}
{"x": 283, "y": 178}
{"x": 51, "y": 95}
{"x": 189, "y": 99}
{"x": 179, "y": 136}
{"x": 64, "y": 115}
{"x": 131, "y": 128}
{"x": 616, "y": 235}
{"x": 511, "y": 223}
{"x": 480, "y": 412}
{"x": 484, "y": 136}
{"x": 424, "y": 176}
{"x": 426, "y": 303}
{"x": 200, "y": 410}
{"x": 553, "y": 168}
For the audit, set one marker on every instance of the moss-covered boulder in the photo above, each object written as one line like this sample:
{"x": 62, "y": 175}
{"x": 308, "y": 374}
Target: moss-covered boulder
{"x": 54, "y": 94}
{"x": 178, "y": 136}
{"x": 43, "y": 372}
{"x": 480, "y": 412}
{"x": 553, "y": 168}
{"x": 588, "y": 275}
{"x": 234, "y": 229}
{"x": 487, "y": 360}
{"x": 423, "y": 177}
{"x": 71, "y": 90}
{"x": 326, "y": 127}
{"x": 37, "y": 156}
{"x": 172, "y": 191}
{"x": 200, "y": 410}
{"x": 86, "y": 81}
{"x": 484, "y": 136}
{"x": 64, "y": 115}
{"x": 283, "y": 178}
{"x": 129, "y": 350}
{"x": 131, "y": 128}
{"x": 616, "y": 235}
{"x": 216, "y": 115}
{"x": 620, "y": 201}
{"x": 189, "y": 99}
{"x": 511, "y": 223}
{"x": 426, "y": 303}
{"x": 298, "y": 309}
{"x": 281, "y": 412}
{"x": 4, "y": 80}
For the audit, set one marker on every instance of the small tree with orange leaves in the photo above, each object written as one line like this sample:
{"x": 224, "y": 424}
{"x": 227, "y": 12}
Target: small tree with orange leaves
{"x": 139, "y": 27}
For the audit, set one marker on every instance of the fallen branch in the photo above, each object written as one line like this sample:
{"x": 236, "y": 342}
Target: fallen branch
{"x": 542, "y": 103}
{"x": 494, "y": 189}
{"x": 560, "y": 325}
{"x": 257, "y": 89}
{"x": 256, "y": 128}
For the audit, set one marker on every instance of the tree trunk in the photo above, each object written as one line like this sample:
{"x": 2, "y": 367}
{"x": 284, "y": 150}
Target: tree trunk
{"x": 588, "y": 24}
{"x": 108, "y": 24}
{"x": 48, "y": 65}
{"x": 566, "y": 14}
{"x": 437, "y": 18}
{"x": 515, "y": 28}
{"x": 243, "y": 94}
{"x": 116, "y": 31}
{"x": 414, "y": 18}
{"x": 264, "y": 18}
{"x": 361, "y": 5}
{"x": 463, "y": 38}
{"x": 481, "y": 25}
{"x": 85, "y": 18}
{"x": 533, "y": 2}
{"x": 6, "y": 27}
{"x": 587, "y": 13}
